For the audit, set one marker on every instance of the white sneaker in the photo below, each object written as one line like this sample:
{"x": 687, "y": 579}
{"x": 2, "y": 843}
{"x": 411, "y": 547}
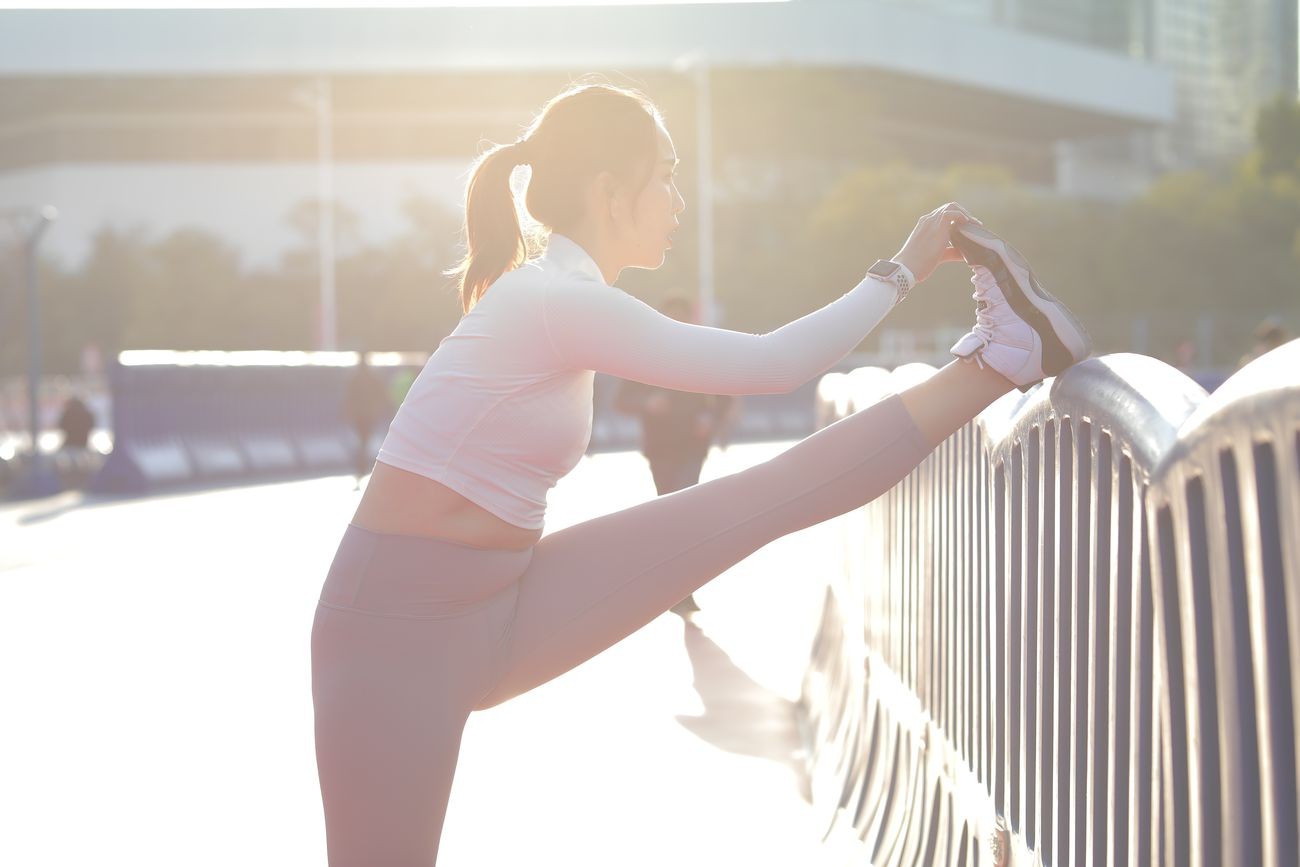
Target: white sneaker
{"x": 1020, "y": 331}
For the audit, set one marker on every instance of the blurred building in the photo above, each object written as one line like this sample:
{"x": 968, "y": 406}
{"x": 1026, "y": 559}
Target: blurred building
{"x": 1105, "y": 24}
{"x": 208, "y": 118}
{"x": 1228, "y": 57}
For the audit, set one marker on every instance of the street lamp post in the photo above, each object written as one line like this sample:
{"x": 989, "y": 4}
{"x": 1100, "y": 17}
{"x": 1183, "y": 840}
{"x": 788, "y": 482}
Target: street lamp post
{"x": 39, "y": 479}
{"x": 325, "y": 239}
{"x": 697, "y": 67}
{"x": 319, "y": 99}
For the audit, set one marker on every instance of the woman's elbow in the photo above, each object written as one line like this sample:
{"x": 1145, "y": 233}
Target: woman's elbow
{"x": 783, "y": 375}
{"x": 795, "y": 374}
{"x": 785, "y": 383}
{"x": 794, "y": 384}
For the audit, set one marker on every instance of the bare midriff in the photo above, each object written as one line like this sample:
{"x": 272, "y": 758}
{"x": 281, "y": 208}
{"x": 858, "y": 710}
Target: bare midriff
{"x": 397, "y": 501}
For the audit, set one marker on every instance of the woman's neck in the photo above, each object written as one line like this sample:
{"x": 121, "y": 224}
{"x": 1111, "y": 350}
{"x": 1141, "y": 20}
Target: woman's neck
{"x": 599, "y": 246}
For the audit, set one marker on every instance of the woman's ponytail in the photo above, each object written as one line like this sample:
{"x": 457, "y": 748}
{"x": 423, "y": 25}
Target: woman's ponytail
{"x": 587, "y": 129}
{"x": 494, "y": 240}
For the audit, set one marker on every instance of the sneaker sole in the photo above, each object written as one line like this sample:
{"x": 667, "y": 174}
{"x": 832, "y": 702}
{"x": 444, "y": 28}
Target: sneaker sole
{"x": 1064, "y": 339}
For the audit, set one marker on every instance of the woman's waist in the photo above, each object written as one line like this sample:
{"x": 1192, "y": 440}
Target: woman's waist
{"x": 398, "y": 501}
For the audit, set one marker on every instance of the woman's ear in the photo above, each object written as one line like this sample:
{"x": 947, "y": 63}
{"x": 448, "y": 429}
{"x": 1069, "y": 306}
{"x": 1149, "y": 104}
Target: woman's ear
{"x": 604, "y": 190}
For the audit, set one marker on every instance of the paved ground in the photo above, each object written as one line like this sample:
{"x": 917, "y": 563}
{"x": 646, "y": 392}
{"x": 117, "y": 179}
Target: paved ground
{"x": 156, "y": 705}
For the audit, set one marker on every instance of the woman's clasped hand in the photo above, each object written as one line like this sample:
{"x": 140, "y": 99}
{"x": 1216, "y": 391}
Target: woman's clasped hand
{"x": 929, "y": 245}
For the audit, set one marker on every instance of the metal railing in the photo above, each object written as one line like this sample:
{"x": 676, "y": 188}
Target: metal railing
{"x": 1069, "y": 636}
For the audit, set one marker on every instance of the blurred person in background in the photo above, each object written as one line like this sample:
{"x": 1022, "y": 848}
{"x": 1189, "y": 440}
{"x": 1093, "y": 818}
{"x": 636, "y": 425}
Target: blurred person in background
{"x": 677, "y": 427}
{"x": 1269, "y": 335}
{"x": 445, "y": 596}
{"x": 365, "y": 404}
{"x": 1185, "y": 356}
{"x": 76, "y": 421}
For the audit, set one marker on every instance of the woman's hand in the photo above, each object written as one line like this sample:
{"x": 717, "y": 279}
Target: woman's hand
{"x": 930, "y": 245}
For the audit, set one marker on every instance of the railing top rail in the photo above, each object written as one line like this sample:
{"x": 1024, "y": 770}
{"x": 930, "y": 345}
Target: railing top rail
{"x": 1259, "y": 402}
{"x": 1145, "y": 401}
{"x": 1252, "y": 396}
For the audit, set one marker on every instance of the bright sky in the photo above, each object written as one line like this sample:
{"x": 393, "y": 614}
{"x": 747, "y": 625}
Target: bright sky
{"x": 350, "y": 4}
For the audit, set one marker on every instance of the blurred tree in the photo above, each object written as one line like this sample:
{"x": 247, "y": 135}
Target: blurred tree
{"x": 1196, "y": 245}
{"x": 1277, "y": 134}
{"x": 96, "y": 302}
{"x": 191, "y": 296}
{"x": 304, "y": 216}
{"x": 395, "y": 296}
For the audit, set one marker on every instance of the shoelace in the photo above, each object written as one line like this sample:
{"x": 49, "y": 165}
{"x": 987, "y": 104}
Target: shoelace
{"x": 989, "y": 307}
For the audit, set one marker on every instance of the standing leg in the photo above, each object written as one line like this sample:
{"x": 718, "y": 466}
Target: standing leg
{"x": 592, "y": 584}
{"x": 407, "y": 638}
{"x": 387, "y": 739}
{"x": 674, "y": 472}
{"x": 663, "y": 468}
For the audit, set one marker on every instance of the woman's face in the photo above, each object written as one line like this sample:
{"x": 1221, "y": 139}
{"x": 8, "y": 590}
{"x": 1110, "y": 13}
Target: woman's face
{"x": 655, "y": 209}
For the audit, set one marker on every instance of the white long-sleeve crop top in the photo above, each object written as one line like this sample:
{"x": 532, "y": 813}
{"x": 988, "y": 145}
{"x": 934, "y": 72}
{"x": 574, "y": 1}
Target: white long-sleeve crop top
{"x": 503, "y": 408}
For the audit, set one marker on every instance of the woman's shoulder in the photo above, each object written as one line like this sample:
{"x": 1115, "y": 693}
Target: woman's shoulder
{"x": 582, "y": 292}
{"x": 524, "y": 275}
{"x": 560, "y": 296}
{"x": 514, "y": 284}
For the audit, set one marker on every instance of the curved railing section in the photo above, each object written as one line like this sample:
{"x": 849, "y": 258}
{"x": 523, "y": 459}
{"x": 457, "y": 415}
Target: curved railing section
{"x": 1068, "y": 637}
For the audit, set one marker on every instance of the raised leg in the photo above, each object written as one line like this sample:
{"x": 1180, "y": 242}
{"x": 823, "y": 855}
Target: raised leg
{"x": 592, "y": 584}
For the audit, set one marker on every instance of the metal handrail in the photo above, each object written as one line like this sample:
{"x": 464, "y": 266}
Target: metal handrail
{"x": 1025, "y": 621}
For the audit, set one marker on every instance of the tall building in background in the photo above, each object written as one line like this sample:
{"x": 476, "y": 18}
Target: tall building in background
{"x": 1112, "y": 164}
{"x": 1228, "y": 58}
{"x": 1183, "y": 36}
{"x": 1255, "y": 61}
{"x": 1105, "y": 24}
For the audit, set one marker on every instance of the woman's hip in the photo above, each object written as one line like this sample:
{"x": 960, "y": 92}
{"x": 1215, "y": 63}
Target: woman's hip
{"x": 396, "y": 576}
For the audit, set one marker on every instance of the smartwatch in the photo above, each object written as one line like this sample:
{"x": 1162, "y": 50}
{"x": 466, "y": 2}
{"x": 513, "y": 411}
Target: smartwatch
{"x": 888, "y": 271}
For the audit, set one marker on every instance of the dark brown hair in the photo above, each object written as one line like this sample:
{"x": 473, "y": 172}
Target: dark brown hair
{"x": 586, "y": 129}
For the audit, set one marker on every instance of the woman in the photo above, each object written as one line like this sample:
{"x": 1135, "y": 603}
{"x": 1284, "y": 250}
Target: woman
{"x": 443, "y": 597}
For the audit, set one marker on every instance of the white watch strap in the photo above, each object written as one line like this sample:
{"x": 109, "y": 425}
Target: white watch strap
{"x": 906, "y": 274}
{"x": 902, "y": 278}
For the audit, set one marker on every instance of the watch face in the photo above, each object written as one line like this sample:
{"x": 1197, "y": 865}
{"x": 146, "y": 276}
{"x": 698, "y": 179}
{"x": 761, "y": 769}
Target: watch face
{"x": 883, "y": 269}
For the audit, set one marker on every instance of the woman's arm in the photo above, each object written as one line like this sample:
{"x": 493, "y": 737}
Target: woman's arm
{"x": 592, "y": 326}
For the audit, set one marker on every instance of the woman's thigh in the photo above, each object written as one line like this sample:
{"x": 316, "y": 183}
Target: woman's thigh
{"x": 592, "y": 584}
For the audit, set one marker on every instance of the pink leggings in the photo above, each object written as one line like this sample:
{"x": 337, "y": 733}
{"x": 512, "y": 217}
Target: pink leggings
{"x": 412, "y": 633}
